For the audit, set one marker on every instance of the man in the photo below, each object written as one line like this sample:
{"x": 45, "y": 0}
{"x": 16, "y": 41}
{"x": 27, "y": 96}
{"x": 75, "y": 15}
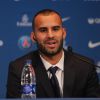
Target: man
{"x": 76, "y": 74}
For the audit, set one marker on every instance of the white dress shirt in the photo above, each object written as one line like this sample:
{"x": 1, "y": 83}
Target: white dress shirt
{"x": 59, "y": 72}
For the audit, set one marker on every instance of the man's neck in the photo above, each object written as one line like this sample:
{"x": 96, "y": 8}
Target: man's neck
{"x": 53, "y": 59}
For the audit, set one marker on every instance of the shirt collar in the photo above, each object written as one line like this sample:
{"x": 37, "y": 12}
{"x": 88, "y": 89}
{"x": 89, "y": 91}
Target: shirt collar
{"x": 60, "y": 64}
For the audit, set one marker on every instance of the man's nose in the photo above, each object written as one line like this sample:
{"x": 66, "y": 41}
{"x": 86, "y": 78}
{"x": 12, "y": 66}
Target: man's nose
{"x": 50, "y": 34}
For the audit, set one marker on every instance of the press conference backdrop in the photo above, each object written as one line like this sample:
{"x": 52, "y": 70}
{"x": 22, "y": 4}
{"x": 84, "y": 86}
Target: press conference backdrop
{"x": 81, "y": 18}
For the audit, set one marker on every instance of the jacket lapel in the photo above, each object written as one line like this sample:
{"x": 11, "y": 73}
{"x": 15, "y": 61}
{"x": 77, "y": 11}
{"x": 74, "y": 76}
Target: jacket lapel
{"x": 69, "y": 76}
{"x": 41, "y": 76}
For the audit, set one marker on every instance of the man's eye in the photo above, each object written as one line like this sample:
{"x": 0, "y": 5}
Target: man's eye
{"x": 43, "y": 30}
{"x": 56, "y": 28}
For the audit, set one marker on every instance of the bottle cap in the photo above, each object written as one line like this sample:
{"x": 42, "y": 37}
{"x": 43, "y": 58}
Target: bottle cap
{"x": 28, "y": 61}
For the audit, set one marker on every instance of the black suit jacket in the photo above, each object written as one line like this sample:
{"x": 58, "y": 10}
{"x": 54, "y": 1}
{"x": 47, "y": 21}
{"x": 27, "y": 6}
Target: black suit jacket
{"x": 80, "y": 77}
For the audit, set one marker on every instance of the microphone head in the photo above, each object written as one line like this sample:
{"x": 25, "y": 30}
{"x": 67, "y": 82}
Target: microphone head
{"x": 69, "y": 48}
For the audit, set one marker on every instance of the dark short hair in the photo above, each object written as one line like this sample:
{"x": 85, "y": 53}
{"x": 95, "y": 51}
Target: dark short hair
{"x": 44, "y": 12}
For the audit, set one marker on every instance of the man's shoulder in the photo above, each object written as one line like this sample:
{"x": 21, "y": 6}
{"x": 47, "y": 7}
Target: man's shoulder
{"x": 79, "y": 63}
{"x": 79, "y": 58}
{"x": 23, "y": 58}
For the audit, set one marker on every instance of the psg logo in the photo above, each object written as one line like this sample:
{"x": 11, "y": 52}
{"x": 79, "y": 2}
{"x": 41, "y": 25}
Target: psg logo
{"x": 24, "y": 42}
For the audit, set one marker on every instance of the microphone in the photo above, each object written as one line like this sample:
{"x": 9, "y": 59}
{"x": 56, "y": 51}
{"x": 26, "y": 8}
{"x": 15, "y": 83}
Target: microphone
{"x": 70, "y": 49}
{"x": 82, "y": 58}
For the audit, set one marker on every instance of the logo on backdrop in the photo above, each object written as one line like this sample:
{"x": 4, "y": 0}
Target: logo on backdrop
{"x": 98, "y": 63}
{"x": 24, "y": 42}
{"x": 98, "y": 68}
{"x": 24, "y": 22}
{"x": 94, "y": 21}
{"x": 93, "y": 44}
{"x": 1, "y": 43}
{"x": 65, "y": 19}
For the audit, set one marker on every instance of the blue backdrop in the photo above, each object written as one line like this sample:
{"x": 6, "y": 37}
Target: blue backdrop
{"x": 80, "y": 17}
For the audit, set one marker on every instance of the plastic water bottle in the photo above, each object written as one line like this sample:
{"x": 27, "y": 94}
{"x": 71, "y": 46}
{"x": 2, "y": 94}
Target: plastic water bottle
{"x": 28, "y": 81}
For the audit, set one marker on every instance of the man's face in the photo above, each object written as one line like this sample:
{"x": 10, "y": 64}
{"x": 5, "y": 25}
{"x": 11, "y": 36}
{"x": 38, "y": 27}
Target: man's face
{"x": 49, "y": 34}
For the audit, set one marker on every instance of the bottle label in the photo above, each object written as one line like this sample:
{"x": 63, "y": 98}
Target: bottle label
{"x": 29, "y": 88}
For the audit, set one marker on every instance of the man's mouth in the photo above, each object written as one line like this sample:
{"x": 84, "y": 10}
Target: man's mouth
{"x": 51, "y": 44}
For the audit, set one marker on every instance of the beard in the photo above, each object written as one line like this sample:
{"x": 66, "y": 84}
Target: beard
{"x": 48, "y": 52}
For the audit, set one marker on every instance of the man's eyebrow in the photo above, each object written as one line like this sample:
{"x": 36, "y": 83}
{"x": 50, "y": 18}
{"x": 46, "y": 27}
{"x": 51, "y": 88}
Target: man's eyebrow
{"x": 58, "y": 26}
{"x": 42, "y": 28}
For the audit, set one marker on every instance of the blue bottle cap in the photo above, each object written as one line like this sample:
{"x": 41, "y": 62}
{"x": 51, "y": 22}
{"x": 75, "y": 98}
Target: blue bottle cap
{"x": 28, "y": 61}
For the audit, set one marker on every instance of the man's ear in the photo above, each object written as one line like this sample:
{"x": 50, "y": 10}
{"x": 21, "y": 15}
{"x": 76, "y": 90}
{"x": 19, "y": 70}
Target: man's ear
{"x": 32, "y": 36}
{"x": 64, "y": 33}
